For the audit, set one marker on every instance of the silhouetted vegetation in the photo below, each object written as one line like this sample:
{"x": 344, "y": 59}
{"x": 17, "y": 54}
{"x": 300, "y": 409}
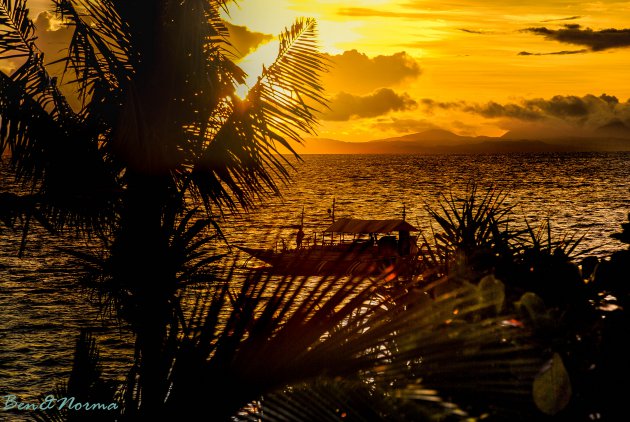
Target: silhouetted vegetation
{"x": 576, "y": 309}
{"x": 476, "y": 337}
{"x": 497, "y": 323}
{"x": 156, "y": 121}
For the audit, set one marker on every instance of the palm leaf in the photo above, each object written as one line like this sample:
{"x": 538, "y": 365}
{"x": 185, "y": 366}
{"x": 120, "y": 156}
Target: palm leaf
{"x": 290, "y": 82}
{"x": 278, "y": 333}
{"x": 339, "y": 399}
{"x": 17, "y": 31}
{"x": 240, "y": 163}
{"x": 85, "y": 385}
{"x": 99, "y": 50}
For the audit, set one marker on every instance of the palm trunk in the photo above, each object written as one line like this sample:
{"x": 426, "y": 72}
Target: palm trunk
{"x": 143, "y": 261}
{"x": 150, "y": 271}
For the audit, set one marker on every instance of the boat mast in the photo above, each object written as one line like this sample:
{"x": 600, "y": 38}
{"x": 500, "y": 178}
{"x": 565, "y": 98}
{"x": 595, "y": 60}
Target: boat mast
{"x": 332, "y": 215}
{"x": 333, "y": 218}
{"x": 333, "y": 210}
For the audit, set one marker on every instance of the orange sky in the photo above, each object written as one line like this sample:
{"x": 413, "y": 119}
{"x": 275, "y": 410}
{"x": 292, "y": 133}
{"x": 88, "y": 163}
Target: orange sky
{"x": 472, "y": 67}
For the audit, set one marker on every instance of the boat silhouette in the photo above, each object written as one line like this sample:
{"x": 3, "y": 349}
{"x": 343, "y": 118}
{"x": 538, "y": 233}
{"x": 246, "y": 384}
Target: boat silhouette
{"x": 348, "y": 246}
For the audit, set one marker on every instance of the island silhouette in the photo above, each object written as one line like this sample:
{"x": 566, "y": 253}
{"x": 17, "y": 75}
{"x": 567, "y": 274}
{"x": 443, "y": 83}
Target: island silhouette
{"x": 610, "y": 137}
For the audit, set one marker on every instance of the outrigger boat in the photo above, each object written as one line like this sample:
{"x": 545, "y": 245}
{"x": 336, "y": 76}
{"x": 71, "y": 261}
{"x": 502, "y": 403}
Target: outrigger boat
{"x": 375, "y": 246}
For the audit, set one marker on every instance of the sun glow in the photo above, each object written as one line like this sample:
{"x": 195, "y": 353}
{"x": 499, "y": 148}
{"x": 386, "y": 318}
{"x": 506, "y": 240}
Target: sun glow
{"x": 254, "y": 63}
{"x": 470, "y": 54}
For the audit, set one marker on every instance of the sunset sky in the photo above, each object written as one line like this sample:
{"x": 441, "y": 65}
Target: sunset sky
{"x": 472, "y": 67}
{"x": 536, "y": 67}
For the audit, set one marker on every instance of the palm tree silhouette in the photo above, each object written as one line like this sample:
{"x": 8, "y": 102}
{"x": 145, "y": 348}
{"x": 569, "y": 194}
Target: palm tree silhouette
{"x": 158, "y": 121}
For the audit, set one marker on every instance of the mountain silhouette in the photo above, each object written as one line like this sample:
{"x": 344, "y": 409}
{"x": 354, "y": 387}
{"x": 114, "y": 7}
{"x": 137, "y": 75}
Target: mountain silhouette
{"x": 614, "y": 128}
{"x": 431, "y": 135}
{"x": 440, "y": 141}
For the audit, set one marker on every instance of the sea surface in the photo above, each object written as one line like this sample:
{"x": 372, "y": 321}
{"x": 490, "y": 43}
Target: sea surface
{"x": 579, "y": 194}
{"x": 42, "y": 310}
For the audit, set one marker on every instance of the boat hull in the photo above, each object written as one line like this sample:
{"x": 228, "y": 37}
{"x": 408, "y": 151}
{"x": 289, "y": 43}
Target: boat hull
{"x": 325, "y": 261}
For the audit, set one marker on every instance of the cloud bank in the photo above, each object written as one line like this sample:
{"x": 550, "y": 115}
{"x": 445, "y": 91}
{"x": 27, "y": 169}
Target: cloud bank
{"x": 245, "y": 41}
{"x": 595, "y": 40}
{"x": 357, "y": 73}
{"x": 588, "y": 113}
{"x": 344, "y": 106}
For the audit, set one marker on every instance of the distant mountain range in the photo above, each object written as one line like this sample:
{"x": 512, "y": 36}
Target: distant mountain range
{"x": 614, "y": 136}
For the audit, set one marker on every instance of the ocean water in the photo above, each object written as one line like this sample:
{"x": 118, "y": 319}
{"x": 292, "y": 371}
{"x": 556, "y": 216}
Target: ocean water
{"x": 579, "y": 194}
{"x": 43, "y": 311}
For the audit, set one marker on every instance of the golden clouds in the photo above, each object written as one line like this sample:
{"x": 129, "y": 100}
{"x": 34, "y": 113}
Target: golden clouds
{"x": 344, "y": 106}
{"x": 245, "y": 41}
{"x": 360, "y": 87}
{"x": 46, "y": 21}
{"x": 560, "y": 115}
{"x": 355, "y": 72}
{"x": 491, "y": 58}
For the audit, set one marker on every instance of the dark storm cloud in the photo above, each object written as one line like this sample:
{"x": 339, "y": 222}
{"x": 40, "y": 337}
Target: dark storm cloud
{"x": 554, "y": 53}
{"x": 603, "y": 115}
{"x": 595, "y": 40}
{"x": 431, "y": 105}
{"x": 344, "y": 106}
{"x": 563, "y": 106}
{"x": 357, "y": 73}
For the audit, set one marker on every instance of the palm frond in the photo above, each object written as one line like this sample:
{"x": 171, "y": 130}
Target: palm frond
{"x": 325, "y": 399}
{"x": 17, "y": 31}
{"x": 240, "y": 162}
{"x": 26, "y": 126}
{"x": 85, "y": 385}
{"x": 31, "y": 80}
{"x": 39, "y": 129}
{"x": 291, "y": 84}
{"x": 49, "y": 146}
{"x": 99, "y": 50}
{"x": 277, "y": 333}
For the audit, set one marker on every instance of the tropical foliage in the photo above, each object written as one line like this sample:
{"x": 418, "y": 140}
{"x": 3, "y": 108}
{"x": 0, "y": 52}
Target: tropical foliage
{"x": 575, "y": 304}
{"x": 157, "y": 141}
{"x": 262, "y": 347}
{"x": 156, "y": 121}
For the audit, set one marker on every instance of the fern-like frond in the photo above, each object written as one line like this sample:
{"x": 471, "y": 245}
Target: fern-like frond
{"x": 17, "y": 31}
{"x": 100, "y": 47}
{"x": 85, "y": 386}
{"x": 290, "y": 89}
{"x": 325, "y": 399}
{"x": 276, "y": 333}
{"x": 241, "y": 159}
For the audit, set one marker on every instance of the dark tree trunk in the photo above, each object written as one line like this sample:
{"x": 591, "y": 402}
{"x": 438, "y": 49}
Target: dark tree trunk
{"x": 143, "y": 267}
